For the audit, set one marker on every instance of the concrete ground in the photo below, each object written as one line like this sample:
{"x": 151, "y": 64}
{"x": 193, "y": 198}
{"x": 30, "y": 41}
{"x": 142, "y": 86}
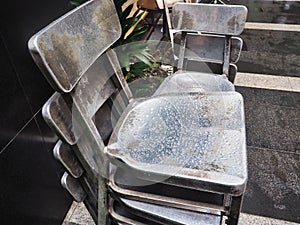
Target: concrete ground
{"x": 78, "y": 215}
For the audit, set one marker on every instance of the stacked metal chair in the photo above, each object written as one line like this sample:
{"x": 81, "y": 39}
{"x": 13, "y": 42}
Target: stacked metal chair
{"x": 178, "y": 157}
{"x": 70, "y": 53}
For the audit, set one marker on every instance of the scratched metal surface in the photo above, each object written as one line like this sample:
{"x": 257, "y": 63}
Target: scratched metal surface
{"x": 198, "y": 137}
{"x": 70, "y": 45}
{"x": 170, "y": 215}
{"x": 184, "y": 82}
{"x": 208, "y": 48}
{"x": 209, "y": 18}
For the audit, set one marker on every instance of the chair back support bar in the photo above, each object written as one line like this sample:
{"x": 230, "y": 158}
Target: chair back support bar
{"x": 69, "y": 113}
{"x": 66, "y": 48}
{"x": 209, "y": 18}
{"x": 208, "y": 48}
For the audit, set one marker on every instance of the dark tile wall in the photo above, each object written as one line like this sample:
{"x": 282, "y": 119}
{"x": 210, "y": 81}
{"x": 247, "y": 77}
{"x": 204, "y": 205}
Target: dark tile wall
{"x": 30, "y": 190}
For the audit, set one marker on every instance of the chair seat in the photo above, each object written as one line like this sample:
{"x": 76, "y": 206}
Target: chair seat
{"x": 169, "y": 215}
{"x": 189, "y": 139}
{"x": 184, "y": 82}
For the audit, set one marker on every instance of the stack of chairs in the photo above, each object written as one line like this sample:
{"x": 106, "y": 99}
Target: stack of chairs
{"x": 177, "y": 157}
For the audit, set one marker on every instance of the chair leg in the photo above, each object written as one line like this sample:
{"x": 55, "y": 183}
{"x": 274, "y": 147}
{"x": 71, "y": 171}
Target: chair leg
{"x": 234, "y": 212}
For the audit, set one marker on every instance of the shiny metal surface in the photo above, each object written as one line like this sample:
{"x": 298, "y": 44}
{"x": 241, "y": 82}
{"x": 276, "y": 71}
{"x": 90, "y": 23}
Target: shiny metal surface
{"x": 71, "y": 116}
{"x": 203, "y": 125}
{"x": 202, "y": 33}
{"x": 73, "y": 187}
{"x": 68, "y": 51}
{"x": 208, "y": 48}
{"x": 78, "y": 119}
{"x": 66, "y": 48}
{"x": 184, "y": 82}
{"x": 175, "y": 197}
{"x": 123, "y": 216}
{"x": 64, "y": 154}
{"x": 192, "y": 141}
{"x": 209, "y": 18}
{"x": 170, "y": 215}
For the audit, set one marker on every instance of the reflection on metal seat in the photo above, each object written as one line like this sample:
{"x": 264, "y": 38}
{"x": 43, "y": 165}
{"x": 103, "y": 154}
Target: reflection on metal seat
{"x": 189, "y": 141}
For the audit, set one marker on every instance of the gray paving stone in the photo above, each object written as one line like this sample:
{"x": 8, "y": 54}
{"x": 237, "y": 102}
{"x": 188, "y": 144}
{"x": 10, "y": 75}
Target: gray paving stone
{"x": 248, "y": 219}
{"x": 295, "y": 83}
{"x": 271, "y": 11}
{"x": 245, "y": 219}
{"x": 273, "y": 188}
{"x": 78, "y": 215}
{"x": 270, "y": 52}
{"x": 266, "y": 81}
{"x": 272, "y": 119}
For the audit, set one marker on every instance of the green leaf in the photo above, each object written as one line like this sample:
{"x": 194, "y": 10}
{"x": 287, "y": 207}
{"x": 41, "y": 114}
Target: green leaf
{"x": 135, "y": 35}
{"x": 143, "y": 59}
{"x": 140, "y": 65}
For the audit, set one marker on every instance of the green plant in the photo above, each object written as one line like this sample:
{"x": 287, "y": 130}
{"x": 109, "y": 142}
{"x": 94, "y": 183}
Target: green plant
{"x": 128, "y": 22}
{"x": 134, "y": 56}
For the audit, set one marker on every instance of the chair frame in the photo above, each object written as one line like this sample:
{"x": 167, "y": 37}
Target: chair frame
{"x": 85, "y": 34}
{"x": 71, "y": 110}
{"x": 194, "y": 23}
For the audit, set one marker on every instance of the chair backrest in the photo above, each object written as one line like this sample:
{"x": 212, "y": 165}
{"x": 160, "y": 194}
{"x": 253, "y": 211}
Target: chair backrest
{"x": 84, "y": 118}
{"x": 209, "y": 18}
{"x": 68, "y": 53}
{"x": 66, "y": 48}
{"x": 73, "y": 54}
{"x": 208, "y": 48}
{"x": 203, "y": 32}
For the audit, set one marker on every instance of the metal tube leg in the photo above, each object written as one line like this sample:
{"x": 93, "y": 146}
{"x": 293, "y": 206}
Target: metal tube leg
{"x": 234, "y": 212}
{"x": 102, "y": 202}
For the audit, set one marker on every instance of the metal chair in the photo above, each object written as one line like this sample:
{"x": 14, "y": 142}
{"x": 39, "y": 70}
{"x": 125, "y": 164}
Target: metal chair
{"x": 93, "y": 100}
{"x": 166, "y": 139}
{"x": 69, "y": 52}
{"x": 204, "y": 33}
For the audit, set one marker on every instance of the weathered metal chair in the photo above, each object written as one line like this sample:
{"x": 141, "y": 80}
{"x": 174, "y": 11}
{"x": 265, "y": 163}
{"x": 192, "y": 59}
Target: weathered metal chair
{"x": 205, "y": 34}
{"x": 70, "y": 54}
{"x": 92, "y": 97}
{"x": 166, "y": 139}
